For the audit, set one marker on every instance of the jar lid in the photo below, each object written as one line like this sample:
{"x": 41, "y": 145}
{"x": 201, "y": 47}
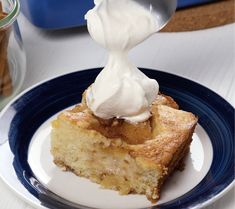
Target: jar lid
{"x": 12, "y": 15}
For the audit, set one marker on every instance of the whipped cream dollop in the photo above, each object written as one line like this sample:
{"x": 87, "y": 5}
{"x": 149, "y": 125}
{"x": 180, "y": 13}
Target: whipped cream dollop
{"x": 121, "y": 90}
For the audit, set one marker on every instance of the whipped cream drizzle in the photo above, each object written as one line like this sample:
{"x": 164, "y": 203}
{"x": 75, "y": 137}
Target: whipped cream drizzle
{"x": 121, "y": 90}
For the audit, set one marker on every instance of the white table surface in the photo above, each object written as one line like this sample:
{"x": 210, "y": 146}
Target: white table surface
{"x": 206, "y": 56}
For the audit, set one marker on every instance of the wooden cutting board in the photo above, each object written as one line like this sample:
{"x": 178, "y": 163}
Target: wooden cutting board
{"x": 202, "y": 17}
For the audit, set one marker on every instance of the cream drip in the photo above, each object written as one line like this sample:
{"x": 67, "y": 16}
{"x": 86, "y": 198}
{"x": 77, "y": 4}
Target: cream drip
{"x": 121, "y": 90}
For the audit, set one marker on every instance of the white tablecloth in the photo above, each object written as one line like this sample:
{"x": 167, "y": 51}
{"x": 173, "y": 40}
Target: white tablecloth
{"x": 206, "y": 56}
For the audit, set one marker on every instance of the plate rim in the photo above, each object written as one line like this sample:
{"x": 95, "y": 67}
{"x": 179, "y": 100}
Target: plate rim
{"x": 37, "y": 204}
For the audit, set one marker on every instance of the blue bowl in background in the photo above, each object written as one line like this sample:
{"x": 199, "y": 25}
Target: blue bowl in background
{"x": 60, "y": 14}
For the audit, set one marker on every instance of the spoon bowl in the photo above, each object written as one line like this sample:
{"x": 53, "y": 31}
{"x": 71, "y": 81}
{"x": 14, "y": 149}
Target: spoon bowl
{"x": 162, "y": 10}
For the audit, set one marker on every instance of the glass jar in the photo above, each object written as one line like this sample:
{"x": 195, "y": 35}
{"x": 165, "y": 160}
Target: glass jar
{"x": 12, "y": 55}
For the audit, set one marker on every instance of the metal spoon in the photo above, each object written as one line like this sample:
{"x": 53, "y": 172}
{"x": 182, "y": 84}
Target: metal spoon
{"x": 162, "y": 10}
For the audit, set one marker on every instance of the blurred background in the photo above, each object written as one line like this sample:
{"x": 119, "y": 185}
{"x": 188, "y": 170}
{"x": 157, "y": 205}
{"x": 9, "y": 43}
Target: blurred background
{"x": 196, "y": 42}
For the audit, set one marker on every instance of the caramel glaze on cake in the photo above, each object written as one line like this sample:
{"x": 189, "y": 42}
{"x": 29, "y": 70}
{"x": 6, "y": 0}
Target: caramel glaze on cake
{"x": 130, "y": 158}
{"x": 115, "y": 128}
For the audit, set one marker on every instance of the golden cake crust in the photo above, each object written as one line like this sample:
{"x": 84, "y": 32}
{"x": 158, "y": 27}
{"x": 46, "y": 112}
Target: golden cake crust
{"x": 160, "y": 143}
{"x": 156, "y": 139}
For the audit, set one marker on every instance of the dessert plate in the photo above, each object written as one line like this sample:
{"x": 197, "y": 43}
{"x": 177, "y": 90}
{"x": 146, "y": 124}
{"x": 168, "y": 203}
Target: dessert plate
{"x": 27, "y": 166}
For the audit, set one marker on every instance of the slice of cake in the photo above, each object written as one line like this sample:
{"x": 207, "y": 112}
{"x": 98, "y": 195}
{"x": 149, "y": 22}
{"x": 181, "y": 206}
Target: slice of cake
{"x": 130, "y": 158}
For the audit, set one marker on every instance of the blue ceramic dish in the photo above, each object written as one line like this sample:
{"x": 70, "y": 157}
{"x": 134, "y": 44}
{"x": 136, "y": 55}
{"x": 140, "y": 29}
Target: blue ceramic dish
{"x": 59, "y": 14}
{"x": 31, "y": 109}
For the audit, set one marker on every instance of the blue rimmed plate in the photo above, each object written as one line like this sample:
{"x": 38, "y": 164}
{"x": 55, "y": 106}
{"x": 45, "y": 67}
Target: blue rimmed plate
{"x": 26, "y": 164}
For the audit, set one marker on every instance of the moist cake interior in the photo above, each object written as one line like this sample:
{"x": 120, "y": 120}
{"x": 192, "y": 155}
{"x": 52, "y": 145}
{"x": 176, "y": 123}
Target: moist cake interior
{"x": 129, "y": 158}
